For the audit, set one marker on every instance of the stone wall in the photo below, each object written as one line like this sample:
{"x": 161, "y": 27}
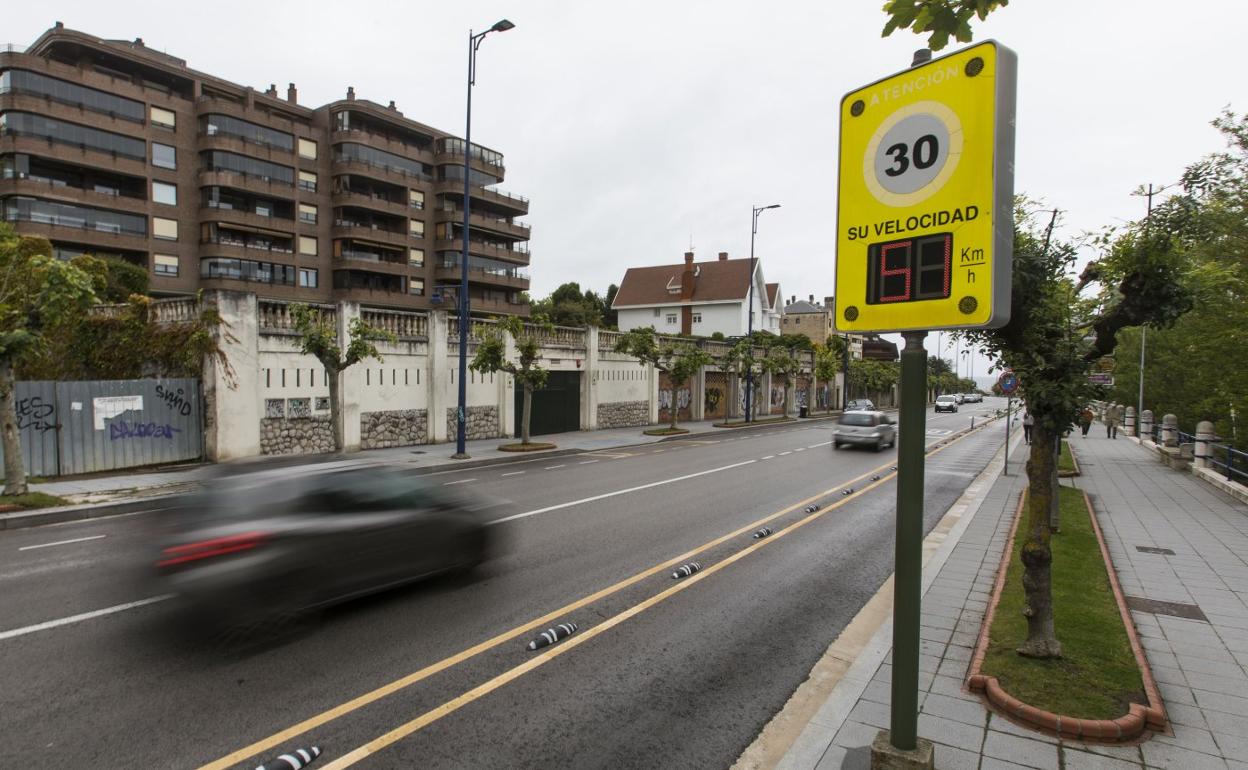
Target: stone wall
{"x": 481, "y": 422}
{"x": 623, "y": 414}
{"x": 400, "y": 427}
{"x": 296, "y": 435}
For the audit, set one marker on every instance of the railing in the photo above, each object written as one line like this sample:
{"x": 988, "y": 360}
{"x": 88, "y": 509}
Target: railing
{"x": 1230, "y": 461}
{"x": 276, "y": 318}
{"x": 559, "y": 336}
{"x": 478, "y": 328}
{"x": 608, "y": 340}
{"x": 403, "y": 324}
{"x": 13, "y": 48}
{"x": 175, "y": 310}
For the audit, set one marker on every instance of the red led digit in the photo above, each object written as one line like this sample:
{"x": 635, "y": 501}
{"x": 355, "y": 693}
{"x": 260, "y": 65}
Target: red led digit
{"x": 886, "y": 272}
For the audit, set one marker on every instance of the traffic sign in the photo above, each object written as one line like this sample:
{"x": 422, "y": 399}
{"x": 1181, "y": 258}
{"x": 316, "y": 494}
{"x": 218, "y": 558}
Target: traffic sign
{"x": 925, "y": 222}
{"x": 1008, "y": 382}
{"x": 1101, "y": 378}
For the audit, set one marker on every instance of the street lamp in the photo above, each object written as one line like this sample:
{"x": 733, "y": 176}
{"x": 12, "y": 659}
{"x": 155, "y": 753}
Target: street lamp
{"x": 749, "y": 335}
{"x": 474, "y": 42}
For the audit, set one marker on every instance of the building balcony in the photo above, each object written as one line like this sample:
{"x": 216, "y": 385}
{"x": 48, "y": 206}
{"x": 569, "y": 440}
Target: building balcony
{"x": 347, "y": 229}
{"x": 213, "y": 104}
{"x": 74, "y": 153}
{"x": 518, "y": 205}
{"x": 39, "y": 188}
{"x": 239, "y": 146}
{"x": 105, "y": 239}
{"x": 362, "y": 261}
{"x": 373, "y": 203}
{"x": 258, "y": 184}
{"x": 383, "y": 173}
{"x": 483, "y": 250}
{"x": 478, "y": 275}
{"x": 239, "y": 250}
{"x": 517, "y": 230}
{"x": 72, "y": 113}
{"x": 451, "y": 151}
{"x": 380, "y": 142}
{"x": 501, "y": 307}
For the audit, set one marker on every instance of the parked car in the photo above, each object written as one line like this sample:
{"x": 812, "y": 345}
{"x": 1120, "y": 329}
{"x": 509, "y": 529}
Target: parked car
{"x": 974, "y": 398}
{"x": 860, "y": 405}
{"x": 959, "y": 398}
{"x": 272, "y": 544}
{"x": 946, "y": 404}
{"x": 874, "y": 429}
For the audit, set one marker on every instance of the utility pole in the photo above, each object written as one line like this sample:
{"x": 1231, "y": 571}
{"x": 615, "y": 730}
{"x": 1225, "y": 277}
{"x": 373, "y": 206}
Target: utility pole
{"x": 1148, "y": 218}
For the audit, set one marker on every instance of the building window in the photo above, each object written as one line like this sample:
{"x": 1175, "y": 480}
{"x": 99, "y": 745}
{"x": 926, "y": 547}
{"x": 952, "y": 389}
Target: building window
{"x": 307, "y": 181}
{"x": 165, "y": 193}
{"x": 307, "y": 213}
{"x": 22, "y": 209}
{"x": 247, "y": 270}
{"x": 671, "y": 318}
{"x": 248, "y": 167}
{"x": 697, "y": 318}
{"x": 164, "y": 156}
{"x": 64, "y": 92}
{"x": 656, "y": 312}
{"x": 165, "y": 229}
{"x": 416, "y": 227}
{"x": 416, "y": 257}
{"x": 165, "y": 264}
{"x": 797, "y": 320}
{"x": 61, "y": 132}
{"x": 307, "y": 246}
{"x": 163, "y": 118}
{"x": 416, "y": 199}
{"x": 252, "y": 133}
{"x": 307, "y": 149}
{"x": 416, "y": 286}
{"x": 307, "y": 278}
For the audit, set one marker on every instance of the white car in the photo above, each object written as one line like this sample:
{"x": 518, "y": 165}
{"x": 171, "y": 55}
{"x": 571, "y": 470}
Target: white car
{"x": 946, "y": 404}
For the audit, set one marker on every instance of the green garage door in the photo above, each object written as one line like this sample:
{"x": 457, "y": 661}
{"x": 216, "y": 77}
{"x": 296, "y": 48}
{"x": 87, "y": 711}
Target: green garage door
{"x": 556, "y": 407}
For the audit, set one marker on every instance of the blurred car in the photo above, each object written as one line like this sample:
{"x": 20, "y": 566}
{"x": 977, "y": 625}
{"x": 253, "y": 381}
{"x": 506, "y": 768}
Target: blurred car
{"x": 974, "y": 398}
{"x": 959, "y": 398}
{"x": 270, "y": 544}
{"x": 860, "y": 405}
{"x": 946, "y": 404}
{"x": 874, "y": 429}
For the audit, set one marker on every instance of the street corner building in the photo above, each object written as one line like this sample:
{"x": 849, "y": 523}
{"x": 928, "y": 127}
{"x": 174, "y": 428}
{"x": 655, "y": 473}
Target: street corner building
{"x": 111, "y": 148}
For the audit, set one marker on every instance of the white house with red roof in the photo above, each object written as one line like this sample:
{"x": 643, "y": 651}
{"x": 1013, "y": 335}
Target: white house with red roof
{"x": 698, "y": 298}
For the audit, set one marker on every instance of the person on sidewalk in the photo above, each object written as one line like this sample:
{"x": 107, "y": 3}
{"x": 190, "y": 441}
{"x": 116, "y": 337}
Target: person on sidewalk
{"x": 1028, "y": 421}
{"x": 1111, "y": 420}
{"x": 1085, "y": 420}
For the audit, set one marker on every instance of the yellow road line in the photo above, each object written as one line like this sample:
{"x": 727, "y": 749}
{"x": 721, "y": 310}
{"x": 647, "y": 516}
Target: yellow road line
{"x": 377, "y": 694}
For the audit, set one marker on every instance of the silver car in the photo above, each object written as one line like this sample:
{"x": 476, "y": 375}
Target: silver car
{"x": 873, "y": 429}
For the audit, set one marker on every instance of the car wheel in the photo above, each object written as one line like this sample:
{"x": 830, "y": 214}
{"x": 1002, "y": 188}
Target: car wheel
{"x": 879, "y": 445}
{"x": 836, "y": 445}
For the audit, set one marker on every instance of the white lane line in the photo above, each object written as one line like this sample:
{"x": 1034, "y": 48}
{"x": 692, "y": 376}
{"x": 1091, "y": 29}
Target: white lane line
{"x": 816, "y": 446}
{"x": 61, "y": 542}
{"x": 461, "y": 481}
{"x": 782, "y": 454}
{"x": 800, "y": 449}
{"x": 770, "y": 457}
{"x": 605, "y": 495}
{"x": 84, "y": 616}
{"x": 513, "y": 473}
{"x": 555, "y": 467}
{"x": 587, "y": 462}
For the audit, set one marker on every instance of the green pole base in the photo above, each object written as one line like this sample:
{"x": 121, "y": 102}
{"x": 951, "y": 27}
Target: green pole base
{"x": 886, "y": 756}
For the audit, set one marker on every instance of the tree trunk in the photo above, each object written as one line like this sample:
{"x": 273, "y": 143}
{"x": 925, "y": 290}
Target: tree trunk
{"x": 1055, "y": 506}
{"x": 335, "y": 409}
{"x": 675, "y": 405}
{"x": 14, "y": 465}
{"x": 1037, "y": 556}
{"x": 524, "y": 415}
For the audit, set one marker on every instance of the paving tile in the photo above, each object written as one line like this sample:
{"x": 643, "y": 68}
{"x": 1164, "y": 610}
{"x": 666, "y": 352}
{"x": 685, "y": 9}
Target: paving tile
{"x": 953, "y": 708}
{"x": 1073, "y": 759}
{"x": 1169, "y": 675}
{"x": 1216, "y": 701}
{"x": 1232, "y": 746}
{"x": 1187, "y": 737}
{"x": 1183, "y": 714}
{"x": 1222, "y": 723}
{"x": 855, "y": 734}
{"x": 1230, "y": 684}
{"x": 1163, "y": 755}
{"x": 992, "y": 763}
{"x": 1201, "y": 651}
{"x": 1021, "y": 751}
{"x": 1171, "y": 693}
{"x": 871, "y": 713}
{"x": 949, "y": 758}
{"x": 1213, "y": 667}
{"x": 833, "y": 759}
{"x": 951, "y": 732}
{"x": 1003, "y": 725}
{"x": 878, "y": 692}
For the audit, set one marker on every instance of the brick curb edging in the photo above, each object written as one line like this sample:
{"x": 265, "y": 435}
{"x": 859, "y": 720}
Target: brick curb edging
{"x": 1073, "y": 461}
{"x": 1127, "y": 728}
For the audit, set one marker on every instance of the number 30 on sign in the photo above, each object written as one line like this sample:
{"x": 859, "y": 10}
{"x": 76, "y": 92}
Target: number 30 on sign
{"x": 924, "y": 220}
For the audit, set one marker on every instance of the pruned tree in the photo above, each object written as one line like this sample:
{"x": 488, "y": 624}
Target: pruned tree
{"x": 827, "y": 364}
{"x": 680, "y": 361}
{"x": 319, "y": 339}
{"x": 781, "y": 361}
{"x": 741, "y": 361}
{"x": 1053, "y": 336}
{"x": 867, "y": 376}
{"x": 527, "y": 371}
{"x": 37, "y": 293}
{"x": 939, "y": 18}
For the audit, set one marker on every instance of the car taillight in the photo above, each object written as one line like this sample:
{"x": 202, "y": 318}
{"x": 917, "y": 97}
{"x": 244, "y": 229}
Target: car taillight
{"x": 207, "y": 549}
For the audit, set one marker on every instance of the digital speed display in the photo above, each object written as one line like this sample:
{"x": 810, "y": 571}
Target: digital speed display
{"x": 909, "y": 270}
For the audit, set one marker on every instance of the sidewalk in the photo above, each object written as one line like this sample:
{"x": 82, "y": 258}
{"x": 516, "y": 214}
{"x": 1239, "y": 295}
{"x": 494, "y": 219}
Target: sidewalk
{"x": 1201, "y": 665}
{"x": 125, "y": 484}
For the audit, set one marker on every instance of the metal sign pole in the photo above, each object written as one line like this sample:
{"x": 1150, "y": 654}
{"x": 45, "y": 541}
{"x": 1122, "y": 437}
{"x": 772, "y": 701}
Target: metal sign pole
{"x": 907, "y": 584}
{"x": 1009, "y": 404}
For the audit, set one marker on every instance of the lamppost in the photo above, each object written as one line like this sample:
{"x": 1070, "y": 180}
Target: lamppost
{"x": 474, "y": 42}
{"x": 1148, "y": 219}
{"x": 966, "y": 356}
{"x": 749, "y": 335}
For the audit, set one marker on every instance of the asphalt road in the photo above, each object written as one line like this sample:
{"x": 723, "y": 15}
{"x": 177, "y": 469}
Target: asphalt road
{"x": 662, "y": 673}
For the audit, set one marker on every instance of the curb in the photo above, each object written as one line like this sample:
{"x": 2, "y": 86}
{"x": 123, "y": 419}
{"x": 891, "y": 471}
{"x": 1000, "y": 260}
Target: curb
{"x": 42, "y": 516}
{"x": 1129, "y": 727}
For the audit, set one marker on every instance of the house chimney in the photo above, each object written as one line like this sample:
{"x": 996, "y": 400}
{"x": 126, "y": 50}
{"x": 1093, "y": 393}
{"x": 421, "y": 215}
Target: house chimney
{"x": 723, "y": 256}
{"x": 687, "y": 278}
{"x": 792, "y": 299}
{"x": 350, "y": 93}
{"x": 292, "y": 95}
{"x": 812, "y": 296}
{"x": 138, "y": 41}
{"x": 396, "y": 109}
{"x": 272, "y": 90}
{"x": 688, "y": 257}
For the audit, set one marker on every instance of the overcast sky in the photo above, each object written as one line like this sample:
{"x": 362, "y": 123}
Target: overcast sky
{"x": 637, "y": 128}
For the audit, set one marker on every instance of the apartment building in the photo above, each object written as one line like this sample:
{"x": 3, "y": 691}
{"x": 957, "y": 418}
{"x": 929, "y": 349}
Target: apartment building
{"x": 111, "y": 148}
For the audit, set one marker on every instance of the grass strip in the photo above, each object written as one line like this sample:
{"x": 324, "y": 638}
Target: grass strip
{"x": 1097, "y": 677}
{"x": 30, "y": 500}
{"x": 1066, "y": 461}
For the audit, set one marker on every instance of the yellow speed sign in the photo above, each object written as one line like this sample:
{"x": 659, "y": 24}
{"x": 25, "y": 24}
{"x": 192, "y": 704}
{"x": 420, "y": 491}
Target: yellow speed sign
{"x": 924, "y": 219}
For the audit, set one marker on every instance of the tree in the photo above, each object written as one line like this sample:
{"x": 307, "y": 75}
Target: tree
{"x": 941, "y": 18}
{"x": 781, "y": 361}
{"x": 610, "y": 317}
{"x": 1044, "y": 343}
{"x": 827, "y": 364}
{"x": 681, "y": 362}
{"x": 37, "y": 292}
{"x": 529, "y": 375}
{"x": 319, "y": 338}
{"x": 740, "y": 360}
{"x": 867, "y": 376}
{"x": 567, "y": 306}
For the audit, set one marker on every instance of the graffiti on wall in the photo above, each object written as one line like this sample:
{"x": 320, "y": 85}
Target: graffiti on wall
{"x": 36, "y": 414}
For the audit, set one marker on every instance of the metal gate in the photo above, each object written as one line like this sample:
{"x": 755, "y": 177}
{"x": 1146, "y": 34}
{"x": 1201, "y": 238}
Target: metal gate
{"x": 80, "y": 427}
{"x": 556, "y": 407}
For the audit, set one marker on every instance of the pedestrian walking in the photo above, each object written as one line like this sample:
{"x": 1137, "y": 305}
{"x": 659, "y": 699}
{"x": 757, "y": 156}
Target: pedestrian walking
{"x": 1028, "y": 422}
{"x": 1085, "y": 420}
{"x": 1112, "y": 416}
